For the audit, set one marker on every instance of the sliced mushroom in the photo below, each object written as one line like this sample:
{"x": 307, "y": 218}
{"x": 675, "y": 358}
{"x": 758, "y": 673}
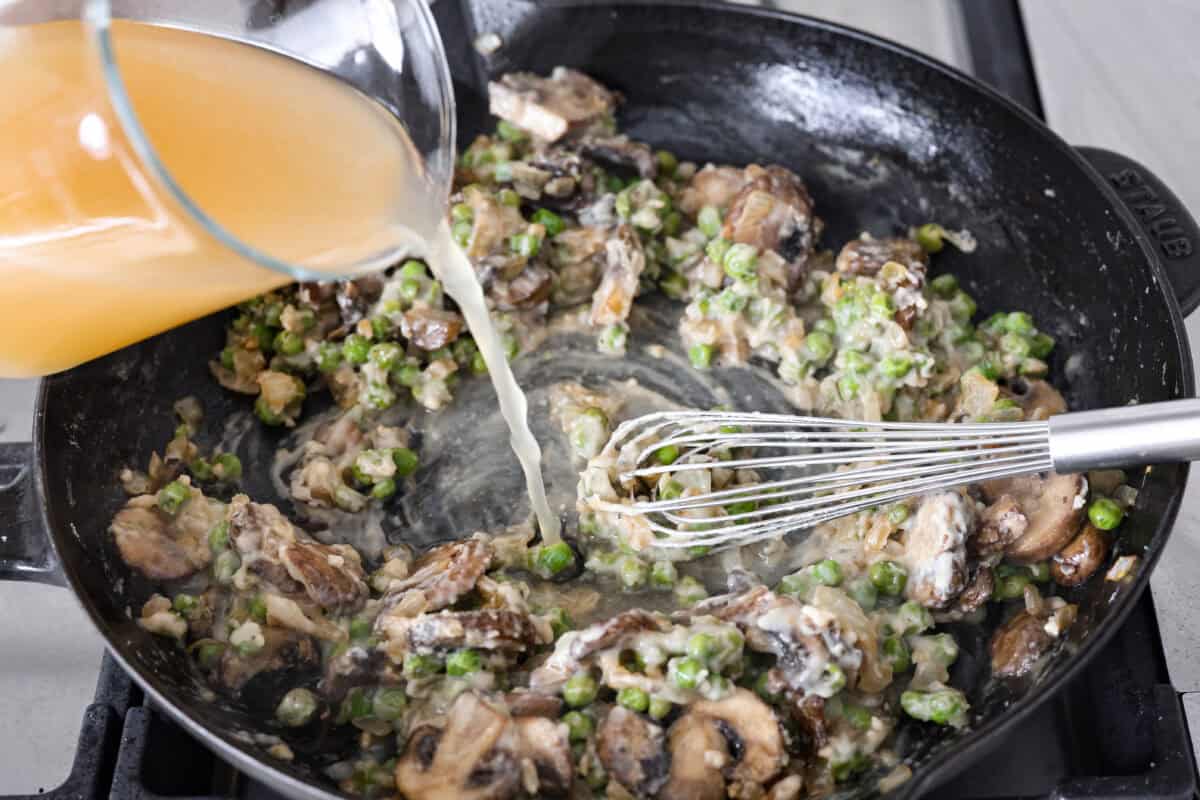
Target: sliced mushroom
{"x": 978, "y": 591}
{"x": 773, "y": 211}
{"x": 808, "y": 714}
{"x": 356, "y": 666}
{"x": 1000, "y": 524}
{"x": 698, "y": 754}
{"x": 490, "y": 629}
{"x": 574, "y": 646}
{"x": 935, "y": 549}
{"x": 632, "y": 750}
{"x": 472, "y": 758}
{"x": 284, "y": 654}
{"x": 866, "y": 256}
{"x": 550, "y": 107}
{"x": 151, "y": 544}
{"x": 712, "y": 186}
{"x": 578, "y": 256}
{"x": 1081, "y": 557}
{"x": 429, "y": 328}
{"x": 522, "y": 703}
{"x": 1018, "y": 644}
{"x": 332, "y": 575}
{"x": 492, "y": 224}
{"x": 1054, "y": 506}
{"x": 544, "y": 743}
{"x": 621, "y": 151}
{"x": 445, "y": 573}
{"x": 624, "y": 263}
{"x": 753, "y": 736}
{"x": 1038, "y": 399}
{"x": 527, "y": 290}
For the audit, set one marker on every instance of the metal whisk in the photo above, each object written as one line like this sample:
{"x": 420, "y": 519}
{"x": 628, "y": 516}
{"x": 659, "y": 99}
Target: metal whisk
{"x": 817, "y": 469}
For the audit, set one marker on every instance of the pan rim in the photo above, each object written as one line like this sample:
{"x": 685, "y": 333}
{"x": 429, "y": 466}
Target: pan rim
{"x": 964, "y": 749}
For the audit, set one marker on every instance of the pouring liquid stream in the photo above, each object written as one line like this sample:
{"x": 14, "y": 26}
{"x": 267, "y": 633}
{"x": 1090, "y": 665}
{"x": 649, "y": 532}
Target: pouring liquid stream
{"x": 95, "y": 254}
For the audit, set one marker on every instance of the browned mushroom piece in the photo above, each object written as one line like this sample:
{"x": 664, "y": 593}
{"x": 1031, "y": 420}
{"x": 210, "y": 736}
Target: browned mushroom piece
{"x": 523, "y": 703}
{"x": 624, "y": 262}
{"x": 1018, "y": 644}
{"x": 550, "y": 107}
{"x": 1000, "y": 524}
{"x": 444, "y": 574}
{"x": 473, "y": 758}
{"x": 978, "y": 591}
{"x": 698, "y": 751}
{"x": 1038, "y": 399}
{"x": 712, "y": 186}
{"x": 935, "y": 549}
{"x": 773, "y": 211}
{"x": 621, "y": 151}
{"x": 355, "y": 298}
{"x": 356, "y": 666}
{"x": 574, "y": 646}
{"x": 151, "y": 543}
{"x": 633, "y": 751}
{"x": 284, "y": 654}
{"x": 429, "y": 328}
{"x": 332, "y": 575}
{"x": 1054, "y": 506}
{"x": 578, "y": 255}
{"x": 544, "y": 743}
{"x": 867, "y": 256}
{"x": 490, "y": 629}
{"x": 1081, "y": 557}
{"x": 753, "y": 736}
{"x": 525, "y": 291}
{"x": 808, "y": 714}
{"x": 492, "y": 223}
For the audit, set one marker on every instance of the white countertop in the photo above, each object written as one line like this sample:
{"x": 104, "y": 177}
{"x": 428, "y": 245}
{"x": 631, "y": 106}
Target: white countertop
{"x": 1130, "y": 85}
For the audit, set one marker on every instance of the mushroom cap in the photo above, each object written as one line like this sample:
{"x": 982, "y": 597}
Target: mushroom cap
{"x": 1054, "y": 506}
{"x": 632, "y": 750}
{"x": 752, "y": 733}
{"x": 1018, "y": 644}
{"x": 1081, "y": 557}
{"x": 698, "y": 752}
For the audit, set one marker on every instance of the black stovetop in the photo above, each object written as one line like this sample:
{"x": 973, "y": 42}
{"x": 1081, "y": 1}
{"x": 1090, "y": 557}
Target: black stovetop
{"x": 1117, "y": 731}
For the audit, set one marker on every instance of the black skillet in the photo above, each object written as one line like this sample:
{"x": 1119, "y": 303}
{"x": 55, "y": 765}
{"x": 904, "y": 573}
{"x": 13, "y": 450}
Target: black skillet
{"x": 1087, "y": 241}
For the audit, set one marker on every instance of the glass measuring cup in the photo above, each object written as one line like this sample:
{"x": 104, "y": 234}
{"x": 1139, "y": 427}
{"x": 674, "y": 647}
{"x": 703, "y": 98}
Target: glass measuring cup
{"x": 165, "y": 159}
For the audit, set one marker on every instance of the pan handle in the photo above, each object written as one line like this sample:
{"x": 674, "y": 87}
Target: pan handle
{"x": 25, "y": 551}
{"x": 1168, "y": 227}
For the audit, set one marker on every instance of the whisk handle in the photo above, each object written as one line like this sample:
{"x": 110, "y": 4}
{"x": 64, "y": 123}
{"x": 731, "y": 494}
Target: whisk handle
{"x": 1154, "y": 433}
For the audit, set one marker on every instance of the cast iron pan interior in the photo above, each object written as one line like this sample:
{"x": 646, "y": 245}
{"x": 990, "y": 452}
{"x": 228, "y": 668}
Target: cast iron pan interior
{"x": 884, "y": 138}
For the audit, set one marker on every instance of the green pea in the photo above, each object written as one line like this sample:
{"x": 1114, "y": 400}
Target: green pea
{"x": 709, "y": 221}
{"x": 360, "y": 628}
{"x": 896, "y": 654}
{"x": 835, "y": 677}
{"x": 579, "y": 725}
{"x": 798, "y": 584}
{"x": 385, "y": 355}
{"x": 356, "y": 349}
{"x": 478, "y": 364}
{"x": 184, "y": 603}
{"x": 945, "y": 706}
{"x": 288, "y": 343}
{"x": 882, "y": 305}
{"x": 1104, "y": 513}
{"x": 857, "y": 716}
{"x": 1041, "y": 345}
{"x": 702, "y": 646}
{"x": 1039, "y": 572}
{"x": 218, "y": 537}
{"x": 209, "y": 654}
{"x": 633, "y": 572}
{"x": 201, "y": 470}
{"x": 383, "y": 489}
{"x": 227, "y": 358}
{"x": 944, "y": 285}
{"x": 553, "y": 559}
{"x": 172, "y": 497}
{"x": 408, "y": 375}
{"x": 560, "y": 621}
{"x": 717, "y": 249}
{"x": 1019, "y": 322}
{"x": 224, "y": 566}
{"x": 667, "y": 162}
{"x": 889, "y": 577}
{"x": 929, "y": 236}
{"x": 669, "y": 489}
{"x": 634, "y": 699}
{"x": 413, "y": 270}
{"x": 227, "y": 467}
{"x": 297, "y": 708}
{"x": 818, "y": 345}
{"x": 913, "y": 618}
{"x": 701, "y": 355}
{"x": 579, "y": 690}
{"x": 356, "y": 705}
{"x": 1015, "y": 344}
{"x": 257, "y": 607}
{"x": 660, "y": 707}
{"x": 463, "y": 662}
{"x": 509, "y": 132}
{"x": 689, "y": 591}
{"x": 897, "y": 514}
{"x": 762, "y": 687}
{"x": 895, "y": 366}
{"x": 378, "y": 396}
{"x": 420, "y": 666}
{"x": 389, "y": 703}
{"x": 671, "y": 223}
{"x": 741, "y": 262}
{"x": 461, "y": 233}
{"x": 525, "y": 244}
{"x": 552, "y": 222}
{"x": 744, "y": 507}
{"x": 663, "y": 575}
{"x": 667, "y": 454}
{"x": 461, "y": 212}
{"x": 613, "y": 337}
{"x": 1010, "y": 585}
{"x": 827, "y": 572}
{"x": 263, "y": 335}
{"x": 732, "y": 302}
{"x": 863, "y": 592}
{"x": 329, "y": 357}
{"x": 696, "y": 551}
{"x": 686, "y": 673}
